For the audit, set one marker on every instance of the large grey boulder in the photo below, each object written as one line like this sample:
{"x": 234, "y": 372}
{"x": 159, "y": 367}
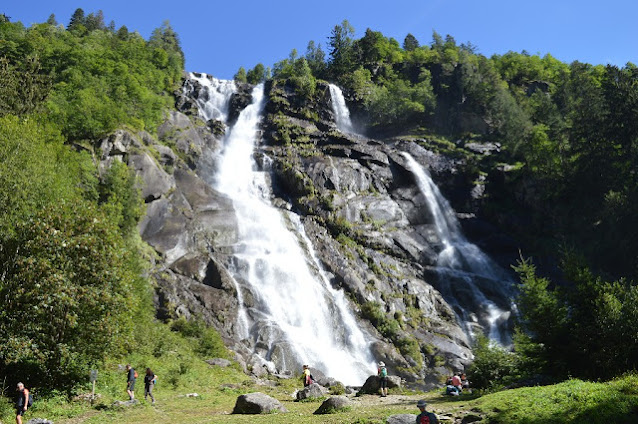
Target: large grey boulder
{"x": 257, "y": 403}
{"x": 312, "y": 392}
{"x": 39, "y": 421}
{"x": 401, "y": 419}
{"x": 373, "y": 383}
{"x": 334, "y": 404}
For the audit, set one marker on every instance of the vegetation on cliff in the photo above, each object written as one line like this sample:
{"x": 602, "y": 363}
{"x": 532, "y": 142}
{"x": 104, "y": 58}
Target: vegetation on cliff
{"x": 71, "y": 284}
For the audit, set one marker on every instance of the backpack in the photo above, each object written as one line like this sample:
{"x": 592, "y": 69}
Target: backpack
{"x": 30, "y": 401}
{"x": 425, "y": 419}
{"x": 384, "y": 372}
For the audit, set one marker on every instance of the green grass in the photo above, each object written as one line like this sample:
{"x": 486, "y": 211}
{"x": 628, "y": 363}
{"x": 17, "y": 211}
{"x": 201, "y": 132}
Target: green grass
{"x": 573, "y": 401}
{"x": 181, "y": 369}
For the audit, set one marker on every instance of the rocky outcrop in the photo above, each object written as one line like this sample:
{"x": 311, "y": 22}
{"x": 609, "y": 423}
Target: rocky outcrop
{"x": 257, "y": 403}
{"x": 359, "y": 205}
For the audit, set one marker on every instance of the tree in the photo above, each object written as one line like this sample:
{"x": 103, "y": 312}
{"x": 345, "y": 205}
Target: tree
{"x": 65, "y": 291}
{"x": 95, "y": 21}
{"x": 78, "y": 21}
{"x": 122, "y": 33}
{"x": 410, "y": 43}
{"x": 341, "y": 51}
{"x": 25, "y": 88}
{"x": 166, "y": 38}
{"x": 240, "y": 76}
{"x": 257, "y": 74}
{"x": 52, "y": 20}
{"x": 316, "y": 59}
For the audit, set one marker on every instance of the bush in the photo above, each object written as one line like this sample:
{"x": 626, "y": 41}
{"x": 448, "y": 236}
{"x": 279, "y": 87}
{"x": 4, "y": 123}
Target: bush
{"x": 493, "y": 366}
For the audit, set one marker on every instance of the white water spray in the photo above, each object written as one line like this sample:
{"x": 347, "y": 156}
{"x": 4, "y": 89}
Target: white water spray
{"x": 295, "y": 315}
{"x": 214, "y": 98}
{"x": 466, "y": 273}
{"x": 341, "y": 111}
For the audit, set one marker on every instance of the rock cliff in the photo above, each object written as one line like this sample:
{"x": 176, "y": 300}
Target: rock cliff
{"x": 357, "y": 200}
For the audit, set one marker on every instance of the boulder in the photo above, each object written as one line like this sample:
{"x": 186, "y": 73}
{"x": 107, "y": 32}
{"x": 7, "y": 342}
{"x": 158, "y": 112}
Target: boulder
{"x": 39, "y": 421}
{"x": 334, "y": 404}
{"x": 218, "y": 362}
{"x": 257, "y": 403}
{"x": 372, "y": 384}
{"x": 125, "y": 404}
{"x": 312, "y": 392}
{"x": 401, "y": 419}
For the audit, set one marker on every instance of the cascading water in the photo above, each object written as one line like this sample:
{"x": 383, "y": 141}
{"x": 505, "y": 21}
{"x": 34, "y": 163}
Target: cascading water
{"x": 341, "y": 111}
{"x": 295, "y": 316}
{"x": 469, "y": 279}
{"x": 214, "y": 98}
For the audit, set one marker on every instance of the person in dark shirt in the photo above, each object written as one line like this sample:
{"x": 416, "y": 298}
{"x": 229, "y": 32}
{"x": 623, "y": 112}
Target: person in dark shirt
{"x": 425, "y": 417}
{"x": 149, "y": 383}
{"x": 130, "y": 381}
{"x": 22, "y": 402}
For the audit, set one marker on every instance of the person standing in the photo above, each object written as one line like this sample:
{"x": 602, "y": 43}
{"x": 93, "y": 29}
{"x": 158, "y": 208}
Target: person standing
{"x": 425, "y": 417}
{"x": 382, "y": 373}
{"x": 149, "y": 383}
{"x": 131, "y": 376}
{"x": 22, "y": 402}
{"x": 307, "y": 377}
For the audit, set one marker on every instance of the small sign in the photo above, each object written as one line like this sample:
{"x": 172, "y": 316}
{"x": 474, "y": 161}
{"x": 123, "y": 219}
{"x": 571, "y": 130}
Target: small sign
{"x": 93, "y": 376}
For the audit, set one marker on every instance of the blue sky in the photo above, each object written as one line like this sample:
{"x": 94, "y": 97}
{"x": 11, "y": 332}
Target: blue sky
{"x": 220, "y": 36}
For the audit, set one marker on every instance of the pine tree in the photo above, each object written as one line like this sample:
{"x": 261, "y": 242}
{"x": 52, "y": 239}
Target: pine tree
{"x": 410, "y": 43}
{"x": 77, "y": 20}
{"x": 52, "y": 20}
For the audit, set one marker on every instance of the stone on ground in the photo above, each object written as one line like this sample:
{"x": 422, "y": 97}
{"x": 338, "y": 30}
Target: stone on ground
{"x": 257, "y": 403}
{"x": 333, "y": 404}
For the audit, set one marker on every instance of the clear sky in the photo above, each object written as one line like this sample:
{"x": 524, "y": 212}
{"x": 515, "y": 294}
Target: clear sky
{"x": 220, "y": 36}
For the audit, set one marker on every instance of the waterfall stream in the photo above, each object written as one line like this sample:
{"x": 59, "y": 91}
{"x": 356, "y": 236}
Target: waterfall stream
{"x": 213, "y": 101}
{"x": 476, "y": 287}
{"x": 341, "y": 111}
{"x": 294, "y": 315}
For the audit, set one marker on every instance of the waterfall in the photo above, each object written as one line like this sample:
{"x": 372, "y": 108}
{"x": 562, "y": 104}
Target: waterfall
{"x": 214, "y": 98}
{"x": 295, "y": 315}
{"x": 341, "y": 111}
{"x": 478, "y": 289}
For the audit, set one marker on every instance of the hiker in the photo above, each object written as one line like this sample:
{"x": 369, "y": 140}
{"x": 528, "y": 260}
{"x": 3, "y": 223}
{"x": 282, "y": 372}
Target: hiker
{"x": 456, "y": 381}
{"x": 465, "y": 382}
{"x": 131, "y": 375}
{"x": 425, "y": 417}
{"x": 149, "y": 383}
{"x": 382, "y": 373}
{"x": 306, "y": 376}
{"x": 22, "y": 402}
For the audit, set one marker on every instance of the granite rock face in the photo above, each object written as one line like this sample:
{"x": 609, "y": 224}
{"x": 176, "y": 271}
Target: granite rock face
{"x": 358, "y": 202}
